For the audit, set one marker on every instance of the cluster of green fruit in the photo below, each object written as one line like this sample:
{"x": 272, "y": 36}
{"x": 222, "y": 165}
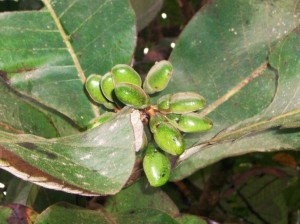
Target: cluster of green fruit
{"x": 172, "y": 115}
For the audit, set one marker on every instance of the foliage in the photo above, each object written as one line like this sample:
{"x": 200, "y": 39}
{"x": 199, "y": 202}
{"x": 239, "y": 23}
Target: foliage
{"x": 242, "y": 56}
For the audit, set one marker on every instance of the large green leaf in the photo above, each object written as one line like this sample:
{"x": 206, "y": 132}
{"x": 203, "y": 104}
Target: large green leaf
{"x": 96, "y": 162}
{"x": 77, "y": 215}
{"x": 22, "y": 115}
{"x": 284, "y": 110}
{"x": 149, "y": 197}
{"x": 48, "y": 54}
{"x": 223, "y": 54}
{"x": 68, "y": 213}
{"x": 146, "y": 215}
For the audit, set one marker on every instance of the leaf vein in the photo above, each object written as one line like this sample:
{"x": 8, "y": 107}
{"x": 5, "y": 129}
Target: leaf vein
{"x": 88, "y": 18}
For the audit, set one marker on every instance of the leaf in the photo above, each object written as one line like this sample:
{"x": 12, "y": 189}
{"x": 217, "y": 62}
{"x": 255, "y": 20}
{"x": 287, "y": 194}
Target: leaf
{"x": 149, "y": 197}
{"x": 226, "y": 61}
{"x": 191, "y": 219}
{"x": 21, "y": 115}
{"x": 271, "y": 140}
{"x": 258, "y": 199}
{"x": 285, "y": 107}
{"x": 96, "y": 162}
{"x": 77, "y": 215}
{"x": 47, "y": 197}
{"x": 21, "y": 192}
{"x": 47, "y": 55}
{"x": 146, "y": 11}
{"x": 68, "y": 213}
{"x": 140, "y": 216}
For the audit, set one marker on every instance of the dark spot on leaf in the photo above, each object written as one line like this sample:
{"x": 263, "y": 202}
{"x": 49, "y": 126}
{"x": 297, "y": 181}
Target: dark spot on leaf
{"x": 3, "y": 75}
{"x": 28, "y": 145}
{"x": 33, "y": 147}
{"x": 74, "y": 37}
{"x": 24, "y": 69}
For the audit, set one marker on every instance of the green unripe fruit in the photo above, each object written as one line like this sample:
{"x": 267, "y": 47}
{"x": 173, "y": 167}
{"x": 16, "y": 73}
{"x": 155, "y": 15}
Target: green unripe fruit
{"x": 163, "y": 103}
{"x": 100, "y": 120}
{"x": 132, "y": 95}
{"x": 185, "y": 102}
{"x": 156, "y": 166}
{"x": 92, "y": 86}
{"x": 125, "y": 73}
{"x": 158, "y": 77}
{"x": 174, "y": 117}
{"x": 107, "y": 86}
{"x": 169, "y": 139}
{"x": 193, "y": 122}
{"x": 155, "y": 120}
{"x": 182, "y": 102}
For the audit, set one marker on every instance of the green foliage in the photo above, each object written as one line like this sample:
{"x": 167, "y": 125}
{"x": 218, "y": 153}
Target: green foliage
{"x": 242, "y": 56}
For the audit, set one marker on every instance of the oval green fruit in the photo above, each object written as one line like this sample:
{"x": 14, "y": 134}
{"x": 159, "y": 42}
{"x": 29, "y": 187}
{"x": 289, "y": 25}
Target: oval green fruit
{"x": 132, "y": 95}
{"x": 158, "y": 77}
{"x": 125, "y": 73}
{"x": 169, "y": 139}
{"x": 154, "y": 121}
{"x": 186, "y": 102}
{"x": 156, "y": 166}
{"x": 107, "y": 86}
{"x": 92, "y": 86}
{"x": 193, "y": 122}
{"x": 163, "y": 103}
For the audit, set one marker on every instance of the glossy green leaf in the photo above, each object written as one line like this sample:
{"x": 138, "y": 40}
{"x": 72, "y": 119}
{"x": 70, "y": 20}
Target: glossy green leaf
{"x": 98, "y": 161}
{"x": 226, "y": 62}
{"x": 48, "y": 54}
{"x": 68, "y": 213}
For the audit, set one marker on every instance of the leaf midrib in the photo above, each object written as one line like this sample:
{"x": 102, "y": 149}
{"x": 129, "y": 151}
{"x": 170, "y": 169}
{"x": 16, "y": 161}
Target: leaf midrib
{"x": 71, "y": 51}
